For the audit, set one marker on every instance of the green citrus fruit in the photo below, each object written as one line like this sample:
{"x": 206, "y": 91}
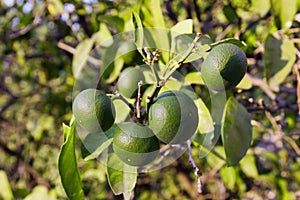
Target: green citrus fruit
{"x": 173, "y": 117}
{"x": 224, "y": 67}
{"x": 93, "y": 110}
{"x": 135, "y": 144}
{"x": 128, "y": 81}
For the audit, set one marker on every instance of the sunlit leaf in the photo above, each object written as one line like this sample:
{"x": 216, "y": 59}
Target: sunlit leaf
{"x": 5, "y": 189}
{"x": 245, "y": 84}
{"x": 117, "y": 68}
{"x": 138, "y": 32}
{"x": 152, "y": 14}
{"x": 260, "y": 6}
{"x": 80, "y": 56}
{"x": 67, "y": 165}
{"x": 279, "y": 57}
{"x": 228, "y": 176}
{"x": 155, "y": 33}
{"x": 236, "y": 131}
{"x": 248, "y": 166}
{"x": 103, "y": 36}
{"x": 284, "y": 11}
{"x": 55, "y": 7}
{"x": 40, "y": 192}
{"x": 205, "y": 131}
{"x": 122, "y": 111}
{"x": 121, "y": 177}
{"x": 194, "y": 78}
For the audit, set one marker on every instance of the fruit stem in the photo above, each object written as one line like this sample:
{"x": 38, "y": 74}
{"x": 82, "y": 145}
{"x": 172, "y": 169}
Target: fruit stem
{"x": 177, "y": 61}
{"x": 197, "y": 171}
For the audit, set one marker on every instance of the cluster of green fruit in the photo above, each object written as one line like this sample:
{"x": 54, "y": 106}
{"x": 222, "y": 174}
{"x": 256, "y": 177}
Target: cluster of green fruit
{"x": 172, "y": 118}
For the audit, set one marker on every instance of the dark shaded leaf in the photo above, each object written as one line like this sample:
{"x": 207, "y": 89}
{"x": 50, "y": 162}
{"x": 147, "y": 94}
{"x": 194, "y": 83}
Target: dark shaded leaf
{"x": 236, "y": 131}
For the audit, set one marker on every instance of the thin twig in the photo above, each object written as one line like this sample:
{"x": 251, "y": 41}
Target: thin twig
{"x": 296, "y": 71}
{"x": 175, "y": 63}
{"x": 138, "y": 101}
{"x": 72, "y": 50}
{"x": 197, "y": 172}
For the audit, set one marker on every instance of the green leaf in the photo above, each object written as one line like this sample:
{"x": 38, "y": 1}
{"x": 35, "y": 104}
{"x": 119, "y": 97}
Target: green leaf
{"x": 182, "y": 27}
{"x": 55, "y": 7}
{"x": 5, "y": 189}
{"x": 236, "y": 131}
{"x": 239, "y": 43}
{"x": 279, "y": 57}
{"x": 121, "y": 177}
{"x": 40, "y": 192}
{"x": 156, "y": 35}
{"x": 67, "y": 165}
{"x": 230, "y": 13}
{"x": 194, "y": 78}
{"x": 248, "y": 166}
{"x": 245, "y": 84}
{"x": 284, "y": 12}
{"x": 261, "y": 7}
{"x": 122, "y": 110}
{"x": 103, "y": 36}
{"x": 117, "y": 68}
{"x": 206, "y": 124}
{"x": 138, "y": 32}
{"x": 228, "y": 176}
{"x": 152, "y": 14}
{"x": 181, "y": 47}
{"x": 205, "y": 131}
{"x": 171, "y": 85}
{"x": 80, "y": 56}
{"x": 95, "y": 143}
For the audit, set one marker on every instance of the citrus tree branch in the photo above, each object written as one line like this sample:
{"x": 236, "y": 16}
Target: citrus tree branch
{"x": 197, "y": 172}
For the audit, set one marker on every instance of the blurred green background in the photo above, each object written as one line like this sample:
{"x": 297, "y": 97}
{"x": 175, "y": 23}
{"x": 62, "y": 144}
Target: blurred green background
{"x": 37, "y": 42}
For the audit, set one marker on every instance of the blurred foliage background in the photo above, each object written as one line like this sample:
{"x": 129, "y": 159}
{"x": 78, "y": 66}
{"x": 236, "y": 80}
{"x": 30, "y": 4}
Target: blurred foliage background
{"x": 37, "y": 42}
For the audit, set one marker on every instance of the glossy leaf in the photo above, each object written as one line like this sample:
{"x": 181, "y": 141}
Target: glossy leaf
{"x": 80, "y": 56}
{"x": 121, "y": 177}
{"x": 138, "y": 32}
{"x": 279, "y": 57}
{"x": 5, "y": 189}
{"x": 67, "y": 165}
{"x": 236, "y": 131}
